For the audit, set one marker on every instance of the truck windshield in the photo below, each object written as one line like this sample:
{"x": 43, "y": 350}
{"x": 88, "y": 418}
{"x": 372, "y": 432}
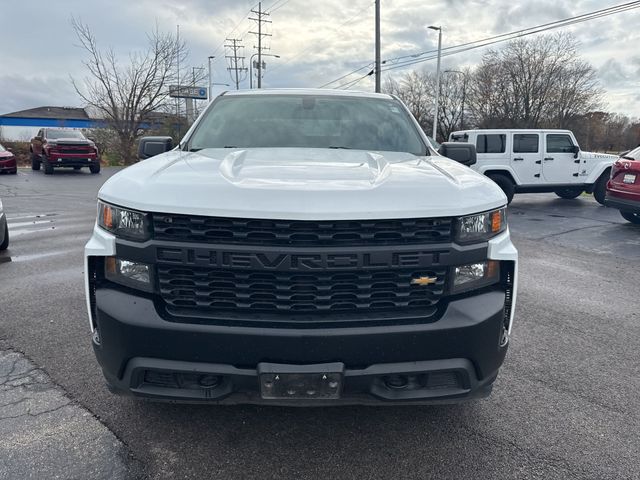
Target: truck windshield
{"x": 307, "y": 121}
{"x": 54, "y": 134}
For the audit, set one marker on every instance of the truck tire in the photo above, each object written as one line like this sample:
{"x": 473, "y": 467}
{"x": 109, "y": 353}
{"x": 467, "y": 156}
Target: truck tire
{"x": 95, "y": 168}
{"x": 568, "y": 193}
{"x": 505, "y": 184}
{"x": 5, "y": 243}
{"x": 631, "y": 217}
{"x": 35, "y": 162}
{"x": 600, "y": 187}
{"x": 48, "y": 168}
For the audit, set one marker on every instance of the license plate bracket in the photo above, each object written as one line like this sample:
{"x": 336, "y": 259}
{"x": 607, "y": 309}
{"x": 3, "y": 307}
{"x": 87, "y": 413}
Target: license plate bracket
{"x": 629, "y": 178}
{"x": 301, "y": 382}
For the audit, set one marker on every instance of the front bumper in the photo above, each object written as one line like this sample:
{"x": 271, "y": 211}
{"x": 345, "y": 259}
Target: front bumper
{"x": 456, "y": 358}
{"x": 8, "y": 165}
{"x": 66, "y": 160}
{"x": 452, "y": 359}
{"x": 624, "y": 204}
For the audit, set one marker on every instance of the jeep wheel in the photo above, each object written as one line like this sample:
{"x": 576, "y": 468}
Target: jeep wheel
{"x": 568, "y": 193}
{"x": 95, "y": 168}
{"x": 5, "y": 243}
{"x": 631, "y": 217}
{"x": 600, "y": 187}
{"x": 35, "y": 162}
{"x": 505, "y": 184}
{"x": 48, "y": 168}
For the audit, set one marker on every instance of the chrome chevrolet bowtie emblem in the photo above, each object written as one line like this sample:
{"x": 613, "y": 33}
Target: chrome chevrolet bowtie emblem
{"x": 424, "y": 281}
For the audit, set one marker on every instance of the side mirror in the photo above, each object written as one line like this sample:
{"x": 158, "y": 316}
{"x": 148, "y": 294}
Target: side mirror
{"x": 465, "y": 153}
{"x": 576, "y": 150}
{"x": 151, "y": 146}
{"x": 38, "y": 139}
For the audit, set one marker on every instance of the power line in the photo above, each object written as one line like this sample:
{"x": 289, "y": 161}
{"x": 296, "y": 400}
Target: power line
{"x": 314, "y": 45}
{"x": 623, "y": 6}
{"x": 275, "y": 8}
{"x": 518, "y": 34}
{"x": 244, "y": 17}
{"x": 346, "y": 75}
{"x": 499, "y": 38}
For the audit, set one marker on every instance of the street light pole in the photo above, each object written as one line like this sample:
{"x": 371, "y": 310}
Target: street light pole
{"x": 260, "y": 67}
{"x": 378, "y": 46}
{"x": 435, "y": 113}
{"x": 211, "y": 57}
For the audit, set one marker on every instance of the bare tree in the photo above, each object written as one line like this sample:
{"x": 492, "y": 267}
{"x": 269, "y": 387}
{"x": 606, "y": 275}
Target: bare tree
{"x": 415, "y": 89}
{"x": 533, "y": 83}
{"x": 125, "y": 95}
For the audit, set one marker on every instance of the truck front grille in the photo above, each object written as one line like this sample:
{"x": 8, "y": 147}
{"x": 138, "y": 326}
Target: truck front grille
{"x": 359, "y": 293}
{"x": 242, "y": 231}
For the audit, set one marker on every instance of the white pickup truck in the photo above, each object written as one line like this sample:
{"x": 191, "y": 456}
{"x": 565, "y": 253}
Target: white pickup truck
{"x": 301, "y": 247}
{"x": 531, "y": 161}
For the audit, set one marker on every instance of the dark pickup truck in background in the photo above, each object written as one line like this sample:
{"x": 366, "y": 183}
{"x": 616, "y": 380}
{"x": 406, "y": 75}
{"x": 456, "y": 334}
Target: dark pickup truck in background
{"x": 60, "y": 147}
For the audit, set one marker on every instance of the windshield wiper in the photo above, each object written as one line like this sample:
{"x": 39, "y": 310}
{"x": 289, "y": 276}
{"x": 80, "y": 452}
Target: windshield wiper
{"x": 230, "y": 146}
{"x": 195, "y": 149}
{"x": 339, "y": 147}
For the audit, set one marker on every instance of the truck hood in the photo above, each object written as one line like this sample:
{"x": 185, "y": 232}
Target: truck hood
{"x": 302, "y": 184}
{"x": 602, "y": 156}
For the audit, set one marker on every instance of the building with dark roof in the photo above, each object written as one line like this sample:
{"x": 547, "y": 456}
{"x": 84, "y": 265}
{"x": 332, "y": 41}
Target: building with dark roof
{"x": 23, "y": 124}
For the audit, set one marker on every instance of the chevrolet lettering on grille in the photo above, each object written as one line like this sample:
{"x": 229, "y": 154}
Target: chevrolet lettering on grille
{"x": 298, "y": 261}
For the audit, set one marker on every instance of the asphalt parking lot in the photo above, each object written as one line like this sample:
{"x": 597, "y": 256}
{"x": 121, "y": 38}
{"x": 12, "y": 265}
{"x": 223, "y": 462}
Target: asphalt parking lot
{"x": 565, "y": 405}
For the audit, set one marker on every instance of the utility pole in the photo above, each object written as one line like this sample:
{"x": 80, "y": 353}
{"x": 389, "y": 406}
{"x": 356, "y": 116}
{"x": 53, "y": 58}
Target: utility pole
{"x": 236, "y": 61}
{"x": 378, "y": 46}
{"x": 260, "y": 20}
{"x": 178, "y": 69}
{"x": 435, "y": 113}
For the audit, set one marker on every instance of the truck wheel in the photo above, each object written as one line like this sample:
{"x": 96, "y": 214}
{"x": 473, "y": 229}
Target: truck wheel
{"x": 505, "y": 184}
{"x": 568, "y": 193}
{"x": 600, "y": 188}
{"x": 48, "y": 168}
{"x": 631, "y": 217}
{"x": 35, "y": 162}
{"x": 5, "y": 243}
{"x": 95, "y": 168}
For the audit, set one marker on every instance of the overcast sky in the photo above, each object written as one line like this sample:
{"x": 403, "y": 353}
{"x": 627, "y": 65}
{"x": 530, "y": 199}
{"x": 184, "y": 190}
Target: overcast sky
{"x": 317, "y": 41}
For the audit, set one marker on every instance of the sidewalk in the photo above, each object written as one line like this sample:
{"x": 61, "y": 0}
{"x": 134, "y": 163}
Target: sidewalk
{"x": 44, "y": 435}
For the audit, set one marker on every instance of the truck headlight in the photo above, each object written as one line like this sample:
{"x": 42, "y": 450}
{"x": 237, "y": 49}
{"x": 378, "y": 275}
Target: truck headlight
{"x": 480, "y": 227}
{"x": 474, "y": 276}
{"x": 128, "y": 273}
{"x": 124, "y": 223}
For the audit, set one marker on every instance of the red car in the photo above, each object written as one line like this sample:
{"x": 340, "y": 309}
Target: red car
{"x": 62, "y": 147}
{"x": 7, "y": 161}
{"x": 623, "y": 188}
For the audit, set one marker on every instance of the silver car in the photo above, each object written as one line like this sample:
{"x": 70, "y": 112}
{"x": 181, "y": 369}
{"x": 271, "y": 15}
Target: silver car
{"x": 4, "y": 229}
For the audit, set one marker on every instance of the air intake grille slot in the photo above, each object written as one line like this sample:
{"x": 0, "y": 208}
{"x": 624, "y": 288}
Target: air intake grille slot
{"x": 213, "y": 291}
{"x": 233, "y": 231}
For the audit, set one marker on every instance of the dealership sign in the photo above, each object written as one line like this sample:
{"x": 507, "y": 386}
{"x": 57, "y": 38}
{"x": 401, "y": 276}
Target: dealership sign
{"x": 182, "y": 91}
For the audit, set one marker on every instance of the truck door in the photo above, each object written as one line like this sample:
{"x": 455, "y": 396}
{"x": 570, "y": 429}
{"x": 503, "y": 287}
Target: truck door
{"x": 526, "y": 157}
{"x": 36, "y": 145}
{"x": 559, "y": 164}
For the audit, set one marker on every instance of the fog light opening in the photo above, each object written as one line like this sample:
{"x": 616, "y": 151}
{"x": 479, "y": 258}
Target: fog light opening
{"x": 396, "y": 382}
{"x": 209, "y": 381}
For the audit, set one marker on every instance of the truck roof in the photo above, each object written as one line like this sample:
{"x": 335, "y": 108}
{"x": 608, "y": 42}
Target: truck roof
{"x": 308, "y": 91}
{"x": 518, "y": 130}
